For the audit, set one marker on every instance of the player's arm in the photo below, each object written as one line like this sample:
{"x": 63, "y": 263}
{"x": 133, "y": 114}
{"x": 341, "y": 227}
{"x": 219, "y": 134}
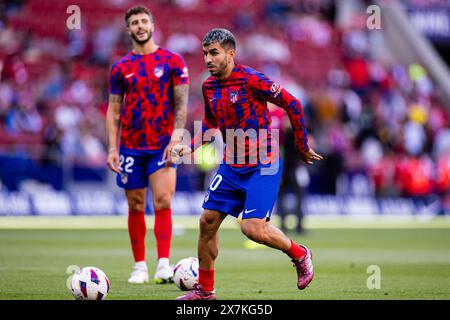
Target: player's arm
{"x": 181, "y": 94}
{"x": 116, "y": 94}
{"x": 113, "y": 128}
{"x": 180, "y": 82}
{"x": 279, "y": 96}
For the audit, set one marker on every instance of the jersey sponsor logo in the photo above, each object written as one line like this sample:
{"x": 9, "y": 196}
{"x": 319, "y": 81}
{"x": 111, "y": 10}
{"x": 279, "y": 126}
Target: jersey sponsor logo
{"x": 159, "y": 71}
{"x": 160, "y": 163}
{"x": 233, "y": 97}
{"x": 129, "y": 75}
{"x": 246, "y": 211}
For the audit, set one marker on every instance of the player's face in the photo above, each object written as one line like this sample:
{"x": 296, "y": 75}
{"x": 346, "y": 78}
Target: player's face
{"x": 217, "y": 58}
{"x": 140, "y": 28}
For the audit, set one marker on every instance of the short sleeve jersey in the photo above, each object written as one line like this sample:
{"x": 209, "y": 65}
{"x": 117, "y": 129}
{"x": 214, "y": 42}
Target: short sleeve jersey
{"x": 147, "y": 84}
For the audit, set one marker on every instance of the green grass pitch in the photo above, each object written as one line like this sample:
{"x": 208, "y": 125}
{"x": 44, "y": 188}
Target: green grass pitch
{"x": 413, "y": 257}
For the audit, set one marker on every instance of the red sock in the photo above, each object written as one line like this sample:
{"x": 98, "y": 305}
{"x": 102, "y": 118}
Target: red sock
{"x": 163, "y": 232}
{"x": 206, "y": 279}
{"x": 137, "y": 230}
{"x": 296, "y": 251}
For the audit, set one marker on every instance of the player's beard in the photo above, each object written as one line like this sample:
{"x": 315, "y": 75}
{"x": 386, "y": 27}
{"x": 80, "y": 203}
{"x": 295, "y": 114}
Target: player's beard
{"x": 141, "y": 42}
{"x": 220, "y": 68}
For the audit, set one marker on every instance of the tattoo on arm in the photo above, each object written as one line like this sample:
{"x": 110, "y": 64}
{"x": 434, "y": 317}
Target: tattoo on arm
{"x": 181, "y": 94}
{"x": 115, "y": 98}
{"x": 113, "y": 119}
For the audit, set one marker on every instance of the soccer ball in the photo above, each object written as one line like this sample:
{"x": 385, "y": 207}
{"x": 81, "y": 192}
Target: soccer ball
{"x": 90, "y": 283}
{"x": 185, "y": 273}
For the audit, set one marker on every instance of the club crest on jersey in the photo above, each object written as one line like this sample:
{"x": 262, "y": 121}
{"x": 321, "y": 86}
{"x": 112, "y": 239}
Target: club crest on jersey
{"x": 124, "y": 178}
{"x": 159, "y": 71}
{"x": 233, "y": 97}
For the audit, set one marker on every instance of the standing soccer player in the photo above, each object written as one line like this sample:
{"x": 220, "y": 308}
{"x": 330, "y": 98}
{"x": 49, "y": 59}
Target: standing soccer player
{"x": 148, "y": 100}
{"x": 236, "y": 98}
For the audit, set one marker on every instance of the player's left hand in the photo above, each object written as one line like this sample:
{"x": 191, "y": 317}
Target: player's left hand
{"x": 310, "y": 156}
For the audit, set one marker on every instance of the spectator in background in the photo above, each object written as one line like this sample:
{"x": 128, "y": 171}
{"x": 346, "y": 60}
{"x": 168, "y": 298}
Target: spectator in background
{"x": 186, "y": 4}
{"x": 383, "y": 174}
{"x": 262, "y": 46}
{"x": 184, "y": 43}
{"x": 105, "y": 40}
{"x": 23, "y": 118}
{"x": 92, "y": 153}
{"x": 291, "y": 192}
{"x": 7, "y": 97}
{"x": 290, "y": 185}
{"x": 68, "y": 118}
{"x": 443, "y": 181}
{"x": 442, "y": 154}
{"x": 415, "y": 171}
{"x": 415, "y": 176}
{"x": 78, "y": 41}
{"x": 52, "y": 145}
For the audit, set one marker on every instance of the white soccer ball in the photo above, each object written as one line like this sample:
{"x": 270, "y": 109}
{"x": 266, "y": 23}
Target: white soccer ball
{"x": 90, "y": 283}
{"x": 185, "y": 273}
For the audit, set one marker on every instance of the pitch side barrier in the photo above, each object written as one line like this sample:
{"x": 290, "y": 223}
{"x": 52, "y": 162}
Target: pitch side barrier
{"x": 65, "y": 203}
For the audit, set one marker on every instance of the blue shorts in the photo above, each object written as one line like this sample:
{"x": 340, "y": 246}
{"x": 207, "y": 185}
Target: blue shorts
{"x": 137, "y": 165}
{"x": 248, "y": 190}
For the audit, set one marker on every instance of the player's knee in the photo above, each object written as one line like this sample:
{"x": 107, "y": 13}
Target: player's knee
{"x": 162, "y": 200}
{"x": 136, "y": 203}
{"x": 252, "y": 231}
{"x": 207, "y": 226}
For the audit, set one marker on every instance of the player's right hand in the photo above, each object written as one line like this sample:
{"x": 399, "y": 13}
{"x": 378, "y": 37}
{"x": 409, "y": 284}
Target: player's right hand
{"x": 309, "y": 156}
{"x": 177, "y": 152}
{"x": 113, "y": 161}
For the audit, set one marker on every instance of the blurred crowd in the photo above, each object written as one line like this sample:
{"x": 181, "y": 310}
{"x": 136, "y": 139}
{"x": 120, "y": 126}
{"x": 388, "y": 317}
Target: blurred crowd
{"x": 365, "y": 115}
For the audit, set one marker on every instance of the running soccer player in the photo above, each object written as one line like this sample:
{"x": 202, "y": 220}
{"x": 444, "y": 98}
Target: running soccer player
{"x": 236, "y": 98}
{"x": 148, "y": 100}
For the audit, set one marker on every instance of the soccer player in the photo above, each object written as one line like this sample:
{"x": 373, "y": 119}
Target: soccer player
{"x": 148, "y": 100}
{"x": 236, "y": 97}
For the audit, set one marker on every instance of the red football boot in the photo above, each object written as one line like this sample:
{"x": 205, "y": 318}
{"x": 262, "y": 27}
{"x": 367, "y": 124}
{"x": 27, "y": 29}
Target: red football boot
{"x": 198, "y": 294}
{"x": 305, "y": 271}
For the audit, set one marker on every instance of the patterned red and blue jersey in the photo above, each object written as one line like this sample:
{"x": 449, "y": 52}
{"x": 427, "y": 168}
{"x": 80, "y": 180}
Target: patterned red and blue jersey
{"x": 147, "y": 84}
{"x": 240, "y": 102}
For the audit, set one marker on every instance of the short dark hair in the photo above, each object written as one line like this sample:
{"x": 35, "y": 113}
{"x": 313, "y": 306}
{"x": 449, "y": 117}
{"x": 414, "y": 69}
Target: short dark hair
{"x": 136, "y": 10}
{"x": 224, "y": 37}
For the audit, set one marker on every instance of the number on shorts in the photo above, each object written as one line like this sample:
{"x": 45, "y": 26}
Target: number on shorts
{"x": 215, "y": 182}
{"x": 129, "y": 161}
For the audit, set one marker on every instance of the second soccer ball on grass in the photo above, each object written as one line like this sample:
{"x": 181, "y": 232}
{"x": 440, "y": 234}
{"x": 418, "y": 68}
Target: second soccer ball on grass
{"x": 185, "y": 273}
